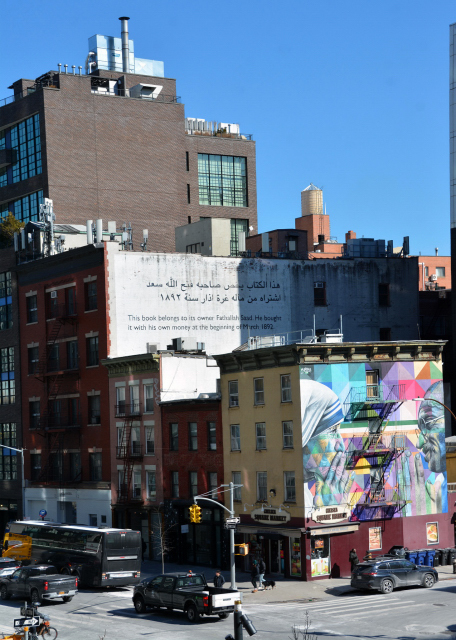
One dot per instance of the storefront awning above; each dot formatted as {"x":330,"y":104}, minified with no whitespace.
{"x":277,"y":533}
{"x":342,"y":528}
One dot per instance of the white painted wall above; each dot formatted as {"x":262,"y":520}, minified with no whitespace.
{"x":95,"y":501}
{"x":187,"y":377}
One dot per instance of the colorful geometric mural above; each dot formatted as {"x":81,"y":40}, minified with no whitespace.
{"x":367,"y":444}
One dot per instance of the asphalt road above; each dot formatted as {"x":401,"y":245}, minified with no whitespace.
{"x":405,"y":614}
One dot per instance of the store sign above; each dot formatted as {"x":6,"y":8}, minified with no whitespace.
{"x":328,"y":515}
{"x":270,"y":515}
{"x":328,"y":530}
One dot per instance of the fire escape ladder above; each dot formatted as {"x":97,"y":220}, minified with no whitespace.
{"x":125,"y":453}
{"x":53,"y":446}
{"x":50,"y":342}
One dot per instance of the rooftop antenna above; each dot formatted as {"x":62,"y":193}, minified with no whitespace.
{"x":145,"y":238}
{"x":47,"y":217}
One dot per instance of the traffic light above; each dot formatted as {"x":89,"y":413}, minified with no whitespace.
{"x":198,"y":515}
{"x":191,"y":512}
{"x":243,"y":549}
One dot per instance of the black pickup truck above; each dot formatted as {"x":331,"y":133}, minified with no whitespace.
{"x":38,"y":583}
{"x":188,"y":592}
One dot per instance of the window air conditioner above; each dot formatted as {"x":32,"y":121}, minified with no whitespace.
{"x":319,"y":285}
{"x":53,"y":294}
{"x":433,"y":277}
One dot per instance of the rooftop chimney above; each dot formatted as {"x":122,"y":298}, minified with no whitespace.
{"x":125,"y":47}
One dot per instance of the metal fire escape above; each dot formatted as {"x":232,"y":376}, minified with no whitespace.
{"x":374,"y":404}
{"x":59,"y":429}
{"x":129,"y":450}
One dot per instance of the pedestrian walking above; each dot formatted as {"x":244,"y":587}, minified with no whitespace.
{"x":262,"y":570}
{"x":255,"y":575}
{"x":354,"y":560}
{"x":218,"y":580}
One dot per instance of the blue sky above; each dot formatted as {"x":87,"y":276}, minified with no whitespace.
{"x":350,"y":95}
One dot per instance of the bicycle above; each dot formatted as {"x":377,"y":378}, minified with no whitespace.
{"x":43,"y":630}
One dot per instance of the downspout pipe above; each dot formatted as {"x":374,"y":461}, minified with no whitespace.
{"x":125,"y":46}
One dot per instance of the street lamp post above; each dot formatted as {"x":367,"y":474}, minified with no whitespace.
{"x":21,"y":451}
{"x":434,"y":400}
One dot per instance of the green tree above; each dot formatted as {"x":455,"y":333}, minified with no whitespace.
{"x":8,"y":227}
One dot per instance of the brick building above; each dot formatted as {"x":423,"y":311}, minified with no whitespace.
{"x":64,"y":328}
{"x":117,"y":145}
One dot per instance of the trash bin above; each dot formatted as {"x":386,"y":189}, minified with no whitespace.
{"x":429,"y":559}
{"x":421,"y":557}
{"x":412,"y":556}
{"x":452,"y":554}
{"x":444,"y":557}
{"x":437,"y":557}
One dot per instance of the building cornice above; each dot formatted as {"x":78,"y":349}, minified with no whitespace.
{"x":128,"y":365}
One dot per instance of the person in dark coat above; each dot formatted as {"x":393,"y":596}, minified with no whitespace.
{"x":218,"y":580}
{"x":354,"y":560}
{"x":255,"y":575}
{"x":262,"y":570}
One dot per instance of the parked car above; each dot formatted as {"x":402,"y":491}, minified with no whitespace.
{"x":386,"y":573}
{"x":188,"y":592}
{"x":38,"y":583}
{"x":8,"y":566}
{"x":398,"y":551}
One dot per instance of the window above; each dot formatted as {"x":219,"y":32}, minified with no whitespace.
{"x":151,"y":485}
{"x":193,"y":248}
{"x":35,"y":466}
{"x":285,"y":384}
{"x":150,"y":440}
{"x":8,"y":392}
{"x":236,"y":480}
{"x":25,"y":208}
{"x":193,"y":436}
{"x":237,"y":226}
{"x":260,"y":434}
{"x":213,"y":484}
{"x":120,"y":401}
{"x":55,"y":470}
{"x":32,"y":309}
{"x":54,"y":358}
{"x":385,"y":334}
{"x":6,"y":301}
{"x":222,"y":180}
{"x":8,"y":458}
{"x":134,"y":399}
{"x":193,"y":480}
{"x":91,"y":301}
{"x":75,"y":465}
{"x":72,"y":354}
{"x":71,"y":301}
{"x":52,"y":303}
{"x":188,"y":196}
{"x":92,"y":351}
{"x":34,"y":414}
{"x":235,"y":437}
{"x":187,"y":161}
{"x":55,"y":413}
{"x":175,"y":484}
{"x":148,"y":398}
{"x":233,"y":393}
{"x":440,"y":272}
{"x":211,"y":436}
{"x":94,"y":409}
{"x":372,"y":388}
{"x":95,"y":466}
{"x":287,"y":429}
{"x":33,"y":359}
{"x":258,"y":390}
{"x":135,"y":441}
{"x":25,"y":138}
{"x":136,"y":484}
{"x":93,"y":520}
{"x":262,"y":486}
{"x":289,"y":486}
{"x":174,"y":436}
{"x":320,"y":294}
{"x":383,"y":294}
{"x":8,"y":388}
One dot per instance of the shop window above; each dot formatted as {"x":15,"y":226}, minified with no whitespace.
{"x":233,"y":391}
{"x":319,"y":554}
{"x":295,"y":557}
{"x":258,"y":388}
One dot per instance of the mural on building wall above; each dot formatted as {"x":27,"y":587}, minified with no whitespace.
{"x":368,"y":445}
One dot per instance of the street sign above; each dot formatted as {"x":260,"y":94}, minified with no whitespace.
{"x":232,"y":520}
{"x":230,"y":525}
{"x":26,"y":622}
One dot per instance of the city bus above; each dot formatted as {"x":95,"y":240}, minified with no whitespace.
{"x":99,"y":557}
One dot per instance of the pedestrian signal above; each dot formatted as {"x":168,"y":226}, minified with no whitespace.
{"x":243,"y":549}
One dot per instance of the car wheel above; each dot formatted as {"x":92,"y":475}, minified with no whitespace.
{"x":65,"y":571}
{"x":192,"y":613}
{"x":223,"y":616}
{"x":68,"y":598}
{"x":4,"y":595}
{"x":429,"y":580}
{"x":35,"y":596}
{"x":387,"y":586}
{"x":140,"y":605}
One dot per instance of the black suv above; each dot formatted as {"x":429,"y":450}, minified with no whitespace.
{"x":386,"y":573}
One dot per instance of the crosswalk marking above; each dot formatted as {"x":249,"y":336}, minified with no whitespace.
{"x":367,"y":614}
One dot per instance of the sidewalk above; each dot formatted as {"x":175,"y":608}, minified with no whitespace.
{"x":286,"y":589}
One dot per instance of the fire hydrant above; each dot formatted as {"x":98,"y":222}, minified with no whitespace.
{"x":454,"y":565}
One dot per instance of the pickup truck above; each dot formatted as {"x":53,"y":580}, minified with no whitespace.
{"x":38,"y":583}
{"x":188,"y":592}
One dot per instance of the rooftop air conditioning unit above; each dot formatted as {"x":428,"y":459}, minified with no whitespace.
{"x":434,"y":277}
{"x":151,"y":347}
{"x":319,"y":285}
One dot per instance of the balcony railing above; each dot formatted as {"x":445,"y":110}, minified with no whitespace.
{"x":125,"y":93}
{"x":134,"y":450}
{"x":376,"y":393}
{"x":124,"y":410}
{"x":380,"y":496}
{"x":134,"y":495}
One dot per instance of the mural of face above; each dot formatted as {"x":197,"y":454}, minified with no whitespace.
{"x":431,"y":424}
{"x":324,"y":455}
